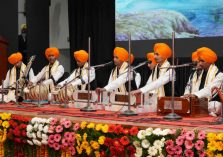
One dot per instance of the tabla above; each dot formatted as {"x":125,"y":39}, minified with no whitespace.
{"x":38,"y":92}
{"x":64,"y":94}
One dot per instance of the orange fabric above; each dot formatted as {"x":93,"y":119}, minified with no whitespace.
{"x":194,"y":56}
{"x":52,"y":51}
{"x":131,"y":59}
{"x":14,"y":58}
{"x":207,"y":55}
{"x":121,"y":53}
{"x":150,"y":56}
{"x":163,"y":50}
{"x":81,"y":56}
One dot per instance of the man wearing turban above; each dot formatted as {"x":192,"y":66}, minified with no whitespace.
{"x":210,"y":77}
{"x":15,"y":74}
{"x":79,"y":77}
{"x":52,"y":72}
{"x":160,"y":80}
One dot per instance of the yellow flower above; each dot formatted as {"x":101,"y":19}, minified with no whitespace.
{"x":6,"y":116}
{"x":97,"y":154}
{"x":219,"y":146}
{"x":220,"y":137}
{"x":79,"y":150}
{"x":212,"y":146}
{"x":85,"y":137}
{"x":0,"y":122}
{"x":91,"y":126}
{"x":98,"y":127}
{"x":219,"y":155}
{"x":94,"y":145}
{"x":78,"y":137}
{"x":211,"y":136}
{"x":85,"y":144}
{"x":209,"y":154}
{"x":104,"y":128}
{"x":5,"y":124}
{"x":88,"y":150}
{"x":101,"y":140}
{"x":83,"y":124}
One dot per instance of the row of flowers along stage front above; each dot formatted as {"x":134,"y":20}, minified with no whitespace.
{"x":39,"y":137}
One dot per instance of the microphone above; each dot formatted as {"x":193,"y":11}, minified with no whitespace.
{"x":178,"y":66}
{"x":102,"y":65}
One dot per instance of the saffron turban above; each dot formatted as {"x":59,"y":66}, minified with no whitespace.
{"x":163,"y":50}
{"x":52,"y":51}
{"x":121,"y":53}
{"x":150,"y":56}
{"x":194,"y":56}
{"x":207,"y":55}
{"x":81,"y":56}
{"x":15,"y":58}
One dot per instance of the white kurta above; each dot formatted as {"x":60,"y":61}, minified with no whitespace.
{"x":157,"y":85}
{"x":75,"y":76}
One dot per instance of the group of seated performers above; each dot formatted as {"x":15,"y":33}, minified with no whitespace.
{"x":203,"y":81}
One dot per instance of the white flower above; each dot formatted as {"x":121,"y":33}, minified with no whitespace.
{"x":48,"y":120}
{"x":40,"y":127}
{"x":29,"y":134}
{"x":30,"y":142}
{"x":148,"y":156}
{"x":145,"y":143}
{"x":152,"y":151}
{"x":149,"y":131}
{"x":43,"y":120}
{"x":45,"y":129}
{"x":163,"y":139}
{"x":136,"y":143}
{"x":141,"y":134}
{"x":44,"y":142}
{"x":158,"y":144}
{"x":165,"y":132}
{"x":138,"y":151}
{"x":29,"y":128}
{"x":33,"y":135}
{"x":33,"y":121}
{"x":157,"y":131}
{"x":36,"y":142}
{"x":39,"y":135}
{"x":44,"y":137}
{"x":36,"y":126}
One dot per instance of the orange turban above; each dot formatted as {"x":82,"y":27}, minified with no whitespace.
{"x":81,"y":56}
{"x":150,"y":56}
{"x":194,"y":56}
{"x":121,"y":53}
{"x":15,"y":58}
{"x":207,"y":55}
{"x":163,"y":50}
{"x":52,"y":51}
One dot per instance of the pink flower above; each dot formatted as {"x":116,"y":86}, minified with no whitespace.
{"x":56,"y":146}
{"x":201,"y":135}
{"x":51,"y":139}
{"x":72,"y":150}
{"x":50,"y":145}
{"x":67,"y":124}
{"x":177,"y":155}
{"x":180,"y":140}
{"x":202,"y":153}
{"x":169,"y":143}
{"x":188,"y":144}
{"x":183,"y":132}
{"x":72,"y":136}
{"x":59,"y":129}
{"x":67,"y":135}
{"x":51,"y":129}
{"x":64,"y":142}
{"x":62,"y":120}
{"x":53,"y":121}
{"x":172,"y":131}
{"x":199,"y":145}
{"x":188,"y":153}
{"x":170,"y":150}
{"x":190,"y":135}
{"x":76,"y":126}
{"x":178,"y":150}
{"x":57,"y":137}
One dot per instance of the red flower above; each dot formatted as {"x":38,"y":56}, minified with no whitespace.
{"x":103,"y":154}
{"x":131,"y":149}
{"x":17,"y":131}
{"x":22,"y":126}
{"x":113,"y":150}
{"x":108,"y":141}
{"x":118,"y":129}
{"x":125,"y":131}
{"x":120,"y":149}
{"x":116,"y":142}
{"x":111,"y":128}
{"x":124,"y":140}
{"x":18,"y":140}
{"x":134,"y":131}
{"x":23,"y":133}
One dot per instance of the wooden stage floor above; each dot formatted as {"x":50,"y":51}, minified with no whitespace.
{"x":143,"y":120}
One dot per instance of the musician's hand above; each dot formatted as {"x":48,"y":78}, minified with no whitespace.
{"x":58,"y":86}
{"x":136,"y":92}
{"x":30,"y":84}
{"x":98,"y":90}
{"x":190,"y":96}
{"x":214,"y":89}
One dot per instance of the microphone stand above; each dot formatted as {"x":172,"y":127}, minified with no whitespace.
{"x":2,"y":102}
{"x":88,"y":108}
{"x":172,"y":115}
{"x":129,"y":112}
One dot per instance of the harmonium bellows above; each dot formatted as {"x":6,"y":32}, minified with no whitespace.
{"x":182,"y":106}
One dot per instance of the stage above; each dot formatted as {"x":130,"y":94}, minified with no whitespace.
{"x":143,"y":120}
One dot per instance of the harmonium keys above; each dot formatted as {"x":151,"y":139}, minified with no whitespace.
{"x":185,"y":107}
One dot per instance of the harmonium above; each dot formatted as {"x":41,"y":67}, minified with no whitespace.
{"x":185,"y":107}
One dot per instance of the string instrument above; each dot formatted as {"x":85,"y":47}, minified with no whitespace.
{"x":219,"y":92}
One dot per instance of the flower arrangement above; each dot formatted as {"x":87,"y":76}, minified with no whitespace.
{"x":215,"y":144}
{"x":62,"y":136}
{"x":186,"y":143}
{"x":17,"y":130}
{"x":151,"y":142}
{"x":37,"y":130}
